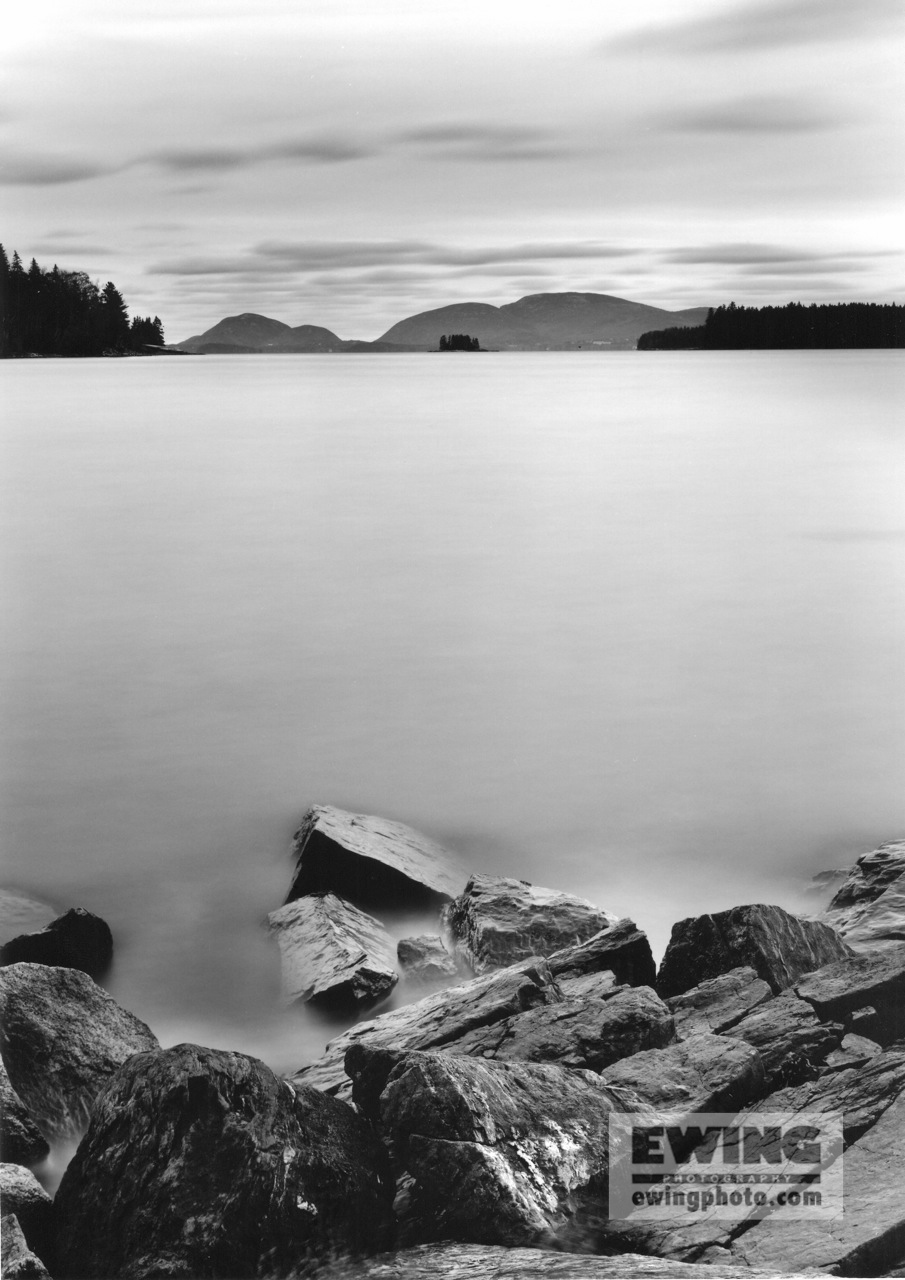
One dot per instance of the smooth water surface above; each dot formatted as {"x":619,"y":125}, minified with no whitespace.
{"x":628,"y":625}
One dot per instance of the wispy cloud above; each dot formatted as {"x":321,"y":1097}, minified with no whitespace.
{"x":765,"y":26}
{"x":319,"y":149}
{"x":761,"y":256}
{"x":462,"y":140}
{"x":755,"y":114}
{"x":47,"y":170}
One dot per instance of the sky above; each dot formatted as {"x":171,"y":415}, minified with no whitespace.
{"x":351,"y":162}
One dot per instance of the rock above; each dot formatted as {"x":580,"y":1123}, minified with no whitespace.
{"x":868,"y":909}
{"x":779,"y":947}
{"x":21,"y":1142}
{"x":878,"y":979}
{"x":426,"y":960}
{"x":25,"y":1198}
{"x":17,"y":1262}
{"x":62,"y":1038}
{"x":440,"y":1020}
{"x":371,"y":861}
{"x":790,"y":1039}
{"x":854,"y":1051}
{"x":589,"y":1033}
{"x":702,"y":1073}
{"x":75,"y":940}
{"x":488,"y":1152}
{"x":714,"y":1006}
{"x":332,"y":953}
{"x":201,"y":1162}
{"x":498,"y":921}
{"x":494,"y":1262}
{"x":871,"y":876}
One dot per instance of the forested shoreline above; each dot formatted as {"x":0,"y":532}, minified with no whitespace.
{"x":835,"y":325}
{"x":64,"y":313}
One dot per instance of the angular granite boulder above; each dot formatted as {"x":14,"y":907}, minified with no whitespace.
{"x":621,"y":949}
{"x":331,"y":953}
{"x":17,"y":1261}
{"x":62,"y":1037}
{"x":21,"y":1142}
{"x":790,"y":1039}
{"x":24,"y":1197}
{"x":76,"y":940}
{"x":853,"y":1051}
{"x":488,"y":1152}
{"x":204,"y":1163}
{"x":702,"y":1073}
{"x":714,"y":1006}
{"x":869,"y":907}
{"x":372,"y":862}
{"x":839,"y":991}
{"x":498,"y":921}
{"x":779,"y":947}
{"x":426,"y":961}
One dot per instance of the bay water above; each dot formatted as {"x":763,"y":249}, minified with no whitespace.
{"x":627,"y":625}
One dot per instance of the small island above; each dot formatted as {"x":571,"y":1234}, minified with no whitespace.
{"x":459,"y":342}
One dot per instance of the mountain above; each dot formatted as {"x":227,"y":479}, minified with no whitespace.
{"x":543,"y":320}
{"x":246,"y":330}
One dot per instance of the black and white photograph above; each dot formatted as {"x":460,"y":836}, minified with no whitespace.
{"x":452,"y":579}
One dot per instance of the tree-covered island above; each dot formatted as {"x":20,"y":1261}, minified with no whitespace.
{"x":459,"y":342}
{"x":836,"y":325}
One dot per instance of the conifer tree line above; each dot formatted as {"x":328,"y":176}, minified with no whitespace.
{"x":459,"y":342}
{"x":63,"y":313}
{"x":837,"y":325}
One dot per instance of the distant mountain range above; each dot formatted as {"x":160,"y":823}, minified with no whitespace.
{"x":539,"y":322}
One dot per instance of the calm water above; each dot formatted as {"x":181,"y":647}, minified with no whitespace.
{"x":630,"y":625}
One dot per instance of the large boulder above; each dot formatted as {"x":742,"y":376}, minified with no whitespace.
{"x":331,"y":953}
{"x":871,"y":876}
{"x":425,"y":961}
{"x":24,"y":1197}
{"x":877,"y":979}
{"x":17,"y":1261}
{"x":371,"y":861}
{"x":779,"y":947}
{"x":498,"y":921}
{"x":868,"y":909}
{"x":621,"y":949}
{"x":488,"y":1152}
{"x":76,"y":940}
{"x":21,"y":1142}
{"x":702,"y":1073}
{"x":789,"y":1037}
{"x":204,"y":1163}
{"x":719,"y":1003}
{"x":61,"y":1038}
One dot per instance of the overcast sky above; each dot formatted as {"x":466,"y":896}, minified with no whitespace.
{"x":350,"y":162}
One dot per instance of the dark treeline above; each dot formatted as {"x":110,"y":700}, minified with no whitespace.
{"x":459,"y":342}
{"x":63,"y":313}
{"x":846,"y":324}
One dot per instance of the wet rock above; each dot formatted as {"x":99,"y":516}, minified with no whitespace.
{"x":589,"y":1033}
{"x":871,"y":876}
{"x":489,"y":1152}
{"x":17,"y":1262}
{"x":714,"y":1006}
{"x":425,"y":960}
{"x":21,"y":1142}
{"x":498,"y":921}
{"x":61,"y":1038}
{"x":494,"y":1262}
{"x":24,"y":1197}
{"x":854,"y":1051}
{"x":371,"y":861}
{"x":76,"y":940}
{"x":779,"y":947}
{"x":702,"y":1073}
{"x":877,"y":979}
{"x":621,"y":949}
{"x":331,"y":953}
{"x":200,"y":1162}
{"x":790,"y":1039}
{"x":868,"y":908}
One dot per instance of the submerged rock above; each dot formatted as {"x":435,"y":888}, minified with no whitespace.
{"x":200,"y":1162}
{"x":869,"y":907}
{"x":714,"y":1006}
{"x":839,"y":991}
{"x":779,"y":947}
{"x":75,"y":940}
{"x":332,"y":953}
{"x":498,"y":921}
{"x":21,"y":1142}
{"x":62,"y":1037}
{"x":17,"y":1261}
{"x":371,"y":861}
{"x":426,"y":960}
{"x":24,"y":1197}
{"x":489,"y":1152}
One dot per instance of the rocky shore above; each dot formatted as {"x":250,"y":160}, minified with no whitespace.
{"x":469,"y":1133}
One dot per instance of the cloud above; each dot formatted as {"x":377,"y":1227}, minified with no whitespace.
{"x":327,"y":149}
{"x":203,"y":159}
{"x":767,"y":257}
{"x":772,"y":25}
{"x":754,"y":115}
{"x":461,"y":140}
{"x":46,"y":170}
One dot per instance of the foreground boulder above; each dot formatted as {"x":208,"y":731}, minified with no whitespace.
{"x":621,"y":949}
{"x":24,"y":1197}
{"x":75,"y":940}
{"x":17,"y":1261}
{"x":488,"y":1152}
{"x":204,"y":1163}
{"x":779,"y":947}
{"x":425,"y":960}
{"x":21,"y":1142}
{"x":62,"y":1037}
{"x":789,"y":1037}
{"x":332,"y":953}
{"x":876,"y":980}
{"x":719,"y":1003}
{"x":868,"y":908}
{"x":702,"y":1073}
{"x":498,"y":921}
{"x":371,"y":861}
